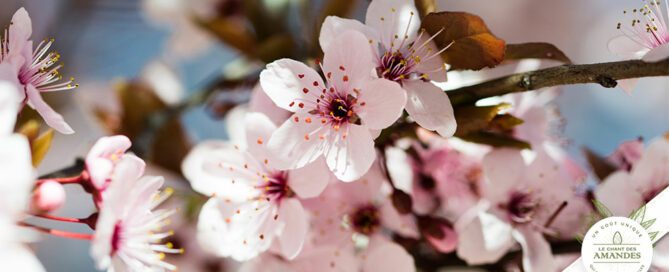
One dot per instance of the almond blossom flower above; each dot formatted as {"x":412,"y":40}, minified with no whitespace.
{"x":254,"y":205}
{"x":103,"y":157}
{"x":336,"y":119}
{"x":15,"y":185}
{"x":404,"y":55}
{"x":37,"y":69}
{"x":356,"y":214}
{"x":624,"y":191}
{"x":627,"y":154}
{"x":519,"y":199}
{"x":323,"y":258}
{"x":646,"y":37}
{"x":125,"y":237}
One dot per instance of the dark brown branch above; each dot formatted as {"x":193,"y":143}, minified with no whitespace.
{"x":605,"y":74}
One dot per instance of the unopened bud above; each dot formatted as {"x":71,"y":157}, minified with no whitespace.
{"x":402,"y":201}
{"x":439,"y":233}
{"x":48,"y":197}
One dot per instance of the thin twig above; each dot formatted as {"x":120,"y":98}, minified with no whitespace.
{"x":605,"y":74}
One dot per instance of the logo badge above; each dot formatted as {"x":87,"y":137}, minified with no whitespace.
{"x":617,"y":244}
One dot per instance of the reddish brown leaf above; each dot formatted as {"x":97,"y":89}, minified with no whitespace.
{"x":535,"y":50}
{"x":472,"y":46}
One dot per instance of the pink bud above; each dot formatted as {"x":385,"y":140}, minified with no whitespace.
{"x":49,"y":196}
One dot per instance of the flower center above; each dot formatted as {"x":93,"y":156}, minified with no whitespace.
{"x":394,"y":66}
{"x":521,"y":207}
{"x":275,"y":187}
{"x":116,"y":238}
{"x":366,"y":220}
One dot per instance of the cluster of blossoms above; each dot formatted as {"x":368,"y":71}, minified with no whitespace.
{"x":128,"y":229}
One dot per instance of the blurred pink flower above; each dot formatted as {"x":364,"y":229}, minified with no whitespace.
{"x":404,"y":55}
{"x":37,"y":70}
{"x":128,"y":232}
{"x":646,"y":37}
{"x":103,"y":158}
{"x":252,"y":202}
{"x":337,"y":120}
{"x":627,"y":154}
{"x":324,"y":258}
{"x":15,"y":185}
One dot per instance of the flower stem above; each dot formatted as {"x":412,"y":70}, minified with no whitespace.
{"x":60,"y":233}
{"x":62,"y":219}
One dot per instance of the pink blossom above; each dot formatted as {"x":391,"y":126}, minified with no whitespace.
{"x":324,"y":258}
{"x":405,"y":55}
{"x":645,"y":36}
{"x":37,"y":69}
{"x":519,"y":199}
{"x":103,"y":157}
{"x":129,"y":231}
{"x":627,"y":154}
{"x":336,"y":119}
{"x":254,"y":205}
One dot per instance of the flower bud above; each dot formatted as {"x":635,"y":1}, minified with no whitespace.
{"x":402,"y":201}
{"x":48,"y":197}
{"x":439,"y":233}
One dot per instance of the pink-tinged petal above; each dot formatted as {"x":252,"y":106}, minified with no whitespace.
{"x":618,"y":194}
{"x":657,"y":54}
{"x":334,"y":26}
{"x":288,"y":82}
{"x":51,"y":117}
{"x":296,"y":228}
{"x":259,"y":128}
{"x":19,"y":177}
{"x":627,"y":48}
{"x":446,"y":244}
{"x":393,"y":17}
{"x":652,"y":169}
{"x":235,"y":126}
{"x":388,"y":256}
{"x":627,"y":154}
{"x":537,"y":254}
{"x":628,"y":85}
{"x":20,"y":30}
{"x":430,"y":107}
{"x":224,"y":232}
{"x":364,"y":190}
{"x":661,"y":254}
{"x":310,"y":180}
{"x":504,"y":169}
{"x":9,"y":107}
{"x":17,"y":257}
{"x":217,"y":168}
{"x":260,"y":102}
{"x":380,"y":103}
{"x":401,"y":224}
{"x":296,"y":142}
{"x":326,"y":258}
{"x":432,"y":65}
{"x":350,"y":158}
{"x":485,"y":239}
{"x":101,"y":158}
{"x":348,"y":61}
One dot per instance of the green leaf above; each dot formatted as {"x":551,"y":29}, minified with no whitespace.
{"x":601,"y":209}
{"x":617,"y":238}
{"x":470,"y":44}
{"x":599,"y":165}
{"x":535,"y":50}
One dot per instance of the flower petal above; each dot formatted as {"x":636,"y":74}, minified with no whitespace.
{"x":51,"y":117}
{"x":296,"y":143}
{"x":350,"y":158}
{"x":19,"y":31}
{"x":310,"y":180}
{"x":334,"y":26}
{"x":432,"y":64}
{"x":657,"y":54}
{"x":260,"y":102}
{"x":537,"y":254}
{"x":259,"y":128}
{"x":393,"y":17}
{"x":487,"y":239}
{"x":401,"y":224}
{"x":381,"y":103}
{"x":430,"y":107}
{"x":626,"y":47}
{"x":285,"y":80}
{"x":295,"y":231}
{"x":348,"y":61}
{"x":618,"y":194}
{"x":628,"y":84}
{"x":504,"y":168}
{"x":388,"y":256}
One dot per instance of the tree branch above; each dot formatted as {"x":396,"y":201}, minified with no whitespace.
{"x":605,"y":74}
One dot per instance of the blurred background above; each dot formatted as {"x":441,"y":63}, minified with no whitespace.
{"x":106,"y":44}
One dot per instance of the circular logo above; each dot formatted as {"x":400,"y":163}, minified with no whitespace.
{"x":617,"y":244}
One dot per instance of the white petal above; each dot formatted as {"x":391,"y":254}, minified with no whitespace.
{"x":657,"y":54}
{"x":348,"y":61}
{"x":393,"y":17}
{"x":626,"y":47}
{"x":388,"y":256}
{"x":259,"y":128}
{"x":484,"y":240}
{"x":504,"y":169}
{"x":310,"y":180}
{"x":430,"y":107}
{"x":295,"y":231}
{"x":296,"y":142}
{"x":284,"y":82}
{"x":334,"y":26}
{"x":618,"y":194}
{"x":384,"y":102}
{"x":352,"y":157}
{"x":537,"y":254}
